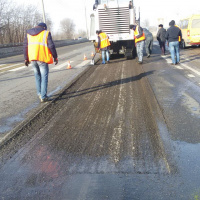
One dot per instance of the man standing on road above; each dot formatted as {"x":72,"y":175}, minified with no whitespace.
{"x":148,"y":42}
{"x":104,"y":45}
{"x":172,"y":35}
{"x":161,"y":38}
{"x":39,"y":49}
{"x":139,"y":41}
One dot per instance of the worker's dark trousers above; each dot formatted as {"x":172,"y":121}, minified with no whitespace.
{"x":149,"y":45}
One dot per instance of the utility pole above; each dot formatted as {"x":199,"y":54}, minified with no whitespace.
{"x":86,"y":21}
{"x":43,"y":12}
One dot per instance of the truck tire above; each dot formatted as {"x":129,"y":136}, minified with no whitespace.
{"x":183,"y":44}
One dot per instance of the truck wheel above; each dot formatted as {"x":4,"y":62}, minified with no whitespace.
{"x":134,"y":54}
{"x":183,"y":45}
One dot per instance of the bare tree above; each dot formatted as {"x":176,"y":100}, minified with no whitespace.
{"x":81,"y":33}
{"x":68,"y":27}
{"x":14,"y":21}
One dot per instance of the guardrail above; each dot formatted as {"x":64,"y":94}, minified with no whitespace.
{"x":17,"y":49}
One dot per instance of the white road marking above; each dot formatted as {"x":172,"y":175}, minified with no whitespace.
{"x":16,"y":69}
{"x":10,"y":66}
{"x":178,"y":67}
{"x":168,"y":60}
{"x":191,"y":75}
{"x":194,"y":70}
{"x":65,"y":64}
{"x":184,"y":65}
{"x":2,"y":65}
{"x":85,"y":62}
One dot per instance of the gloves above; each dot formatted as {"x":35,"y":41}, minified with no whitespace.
{"x":26,"y":62}
{"x":56,"y":61}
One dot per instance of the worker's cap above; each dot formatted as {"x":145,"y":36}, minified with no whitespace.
{"x":42,"y":24}
{"x":172,"y":23}
{"x":132,"y":26}
{"x":160,"y":25}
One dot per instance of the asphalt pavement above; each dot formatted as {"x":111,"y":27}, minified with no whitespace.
{"x":120,"y":131}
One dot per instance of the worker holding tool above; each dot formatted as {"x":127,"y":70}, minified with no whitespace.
{"x":104,"y":45}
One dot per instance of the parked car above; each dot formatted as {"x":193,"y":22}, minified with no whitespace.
{"x":79,"y":38}
{"x":190,"y":28}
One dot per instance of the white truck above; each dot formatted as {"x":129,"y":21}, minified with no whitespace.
{"x":114,"y":17}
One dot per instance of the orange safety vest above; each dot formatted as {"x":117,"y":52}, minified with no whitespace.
{"x":136,"y":33}
{"x":179,"y":37}
{"x":104,"y":40}
{"x":38,"y":49}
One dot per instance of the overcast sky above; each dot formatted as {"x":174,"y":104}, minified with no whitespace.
{"x":150,"y":9}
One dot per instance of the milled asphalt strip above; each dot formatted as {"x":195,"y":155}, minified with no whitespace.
{"x":16,"y":131}
{"x":161,"y":124}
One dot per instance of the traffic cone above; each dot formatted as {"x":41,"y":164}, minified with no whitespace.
{"x":85,"y":58}
{"x":69,"y":65}
{"x":92,"y":54}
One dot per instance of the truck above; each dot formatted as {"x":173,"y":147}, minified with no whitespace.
{"x":114,"y":17}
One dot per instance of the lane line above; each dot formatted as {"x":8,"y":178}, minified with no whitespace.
{"x":191,"y":75}
{"x":10,"y":66}
{"x":178,"y":67}
{"x":65,"y":64}
{"x":168,"y":60}
{"x":2,"y":65}
{"x":194,"y":70}
{"x":85,"y":62}
{"x":184,"y":65}
{"x":16,"y":69}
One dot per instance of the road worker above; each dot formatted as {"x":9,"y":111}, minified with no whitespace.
{"x":161,"y":38}
{"x":179,"y":37}
{"x":148,"y":42}
{"x":104,"y":45}
{"x":39,"y":49}
{"x":172,"y":35}
{"x":139,"y":41}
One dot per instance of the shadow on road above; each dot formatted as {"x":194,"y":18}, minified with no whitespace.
{"x":106,"y":85}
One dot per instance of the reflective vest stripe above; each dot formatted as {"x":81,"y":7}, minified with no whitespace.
{"x":39,"y":43}
{"x":38,"y":49}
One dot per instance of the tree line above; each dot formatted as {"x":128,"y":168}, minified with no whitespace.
{"x":15,"y":20}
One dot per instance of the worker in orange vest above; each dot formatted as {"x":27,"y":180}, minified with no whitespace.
{"x":39,"y":49}
{"x":139,"y":37}
{"x":104,"y":45}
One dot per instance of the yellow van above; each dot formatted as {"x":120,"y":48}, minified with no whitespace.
{"x":190,"y":28}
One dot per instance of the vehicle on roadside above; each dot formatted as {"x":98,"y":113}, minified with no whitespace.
{"x":190,"y":28}
{"x":114,"y":17}
{"x":79,"y":38}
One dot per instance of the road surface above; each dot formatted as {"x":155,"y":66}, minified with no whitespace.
{"x":121,"y":131}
